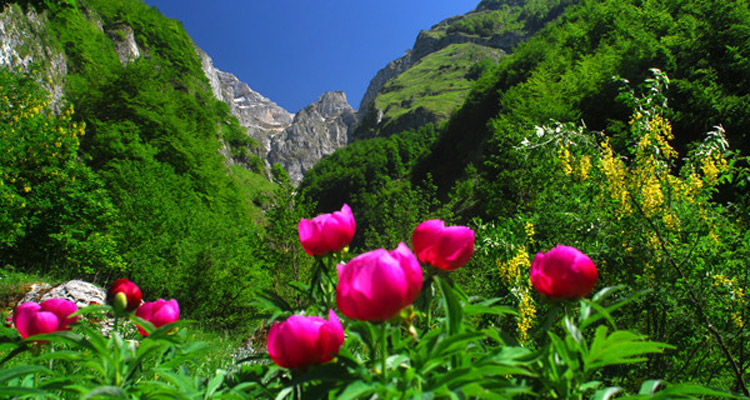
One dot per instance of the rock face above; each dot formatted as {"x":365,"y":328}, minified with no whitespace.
{"x":22,"y":42}
{"x":261,"y":117}
{"x":317,"y":131}
{"x":296,"y":141}
{"x":125,"y":45}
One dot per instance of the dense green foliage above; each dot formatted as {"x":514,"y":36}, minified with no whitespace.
{"x":55,"y":213}
{"x":149,"y":196}
{"x":553,"y":144}
{"x":488,"y":169}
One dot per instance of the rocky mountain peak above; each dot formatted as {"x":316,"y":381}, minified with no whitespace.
{"x":317,"y":131}
{"x":296,"y":141}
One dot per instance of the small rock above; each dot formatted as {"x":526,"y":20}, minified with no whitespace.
{"x":80,"y":292}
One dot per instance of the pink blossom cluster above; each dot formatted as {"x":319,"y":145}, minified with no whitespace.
{"x":54,"y":315}
{"x":373,"y":286}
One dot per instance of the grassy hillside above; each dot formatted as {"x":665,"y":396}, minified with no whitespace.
{"x":438,"y":83}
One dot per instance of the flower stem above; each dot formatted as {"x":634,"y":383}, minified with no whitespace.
{"x":384,"y":350}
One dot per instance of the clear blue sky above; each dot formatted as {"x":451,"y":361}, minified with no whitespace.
{"x":292,"y":51}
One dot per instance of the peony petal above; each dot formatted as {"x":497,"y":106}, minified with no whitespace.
{"x":23,"y":315}
{"x":167,"y":312}
{"x":62,"y":308}
{"x":42,"y":322}
{"x":297,"y":340}
{"x":338,"y":229}
{"x":564,"y":273}
{"x":311,"y":237}
{"x":412,"y":271}
{"x":272,"y":344}
{"x":424,"y":239}
{"x":456,"y":246}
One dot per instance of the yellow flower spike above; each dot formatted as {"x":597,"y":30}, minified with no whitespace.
{"x":526,"y":316}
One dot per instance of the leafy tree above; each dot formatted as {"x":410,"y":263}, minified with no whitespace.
{"x":56,"y":215}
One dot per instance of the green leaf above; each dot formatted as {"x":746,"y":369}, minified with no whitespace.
{"x":20,"y":371}
{"x":214,"y":384}
{"x":8,"y":392}
{"x":606,"y":394}
{"x":108,"y":391}
{"x":480,"y":309}
{"x":650,"y":386}
{"x":573,"y":330}
{"x":284,"y":393}
{"x":451,"y":304}
{"x":691,"y":391}
{"x":621,"y":347}
{"x":357,"y":390}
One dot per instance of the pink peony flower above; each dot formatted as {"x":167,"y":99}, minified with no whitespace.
{"x":563,"y":273}
{"x":159,"y":313}
{"x":327,"y":232}
{"x":51,"y":315}
{"x":375,"y":286}
{"x":124,"y":296}
{"x":301,"y":341}
{"x":447,"y":248}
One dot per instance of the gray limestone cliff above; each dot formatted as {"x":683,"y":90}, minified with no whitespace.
{"x":298,"y":141}
{"x":261,"y":117}
{"x":317,"y":131}
{"x":24,"y":41}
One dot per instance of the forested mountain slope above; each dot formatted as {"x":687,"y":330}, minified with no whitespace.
{"x":567,"y":72}
{"x":152,"y":198}
{"x":432,"y":79}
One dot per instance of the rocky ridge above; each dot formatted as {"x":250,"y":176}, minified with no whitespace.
{"x":317,"y":131}
{"x":296,"y":141}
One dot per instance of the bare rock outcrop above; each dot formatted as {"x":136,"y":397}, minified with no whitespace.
{"x":80,"y":292}
{"x":124,"y":40}
{"x":23,"y":43}
{"x":317,"y":131}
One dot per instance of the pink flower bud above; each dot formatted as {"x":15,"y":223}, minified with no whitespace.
{"x":375,"y":286}
{"x":563,"y":273}
{"x":132,"y":296}
{"x":301,"y":341}
{"x":447,"y":248}
{"x":52,"y":315}
{"x":327,"y":232}
{"x":159,"y":313}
